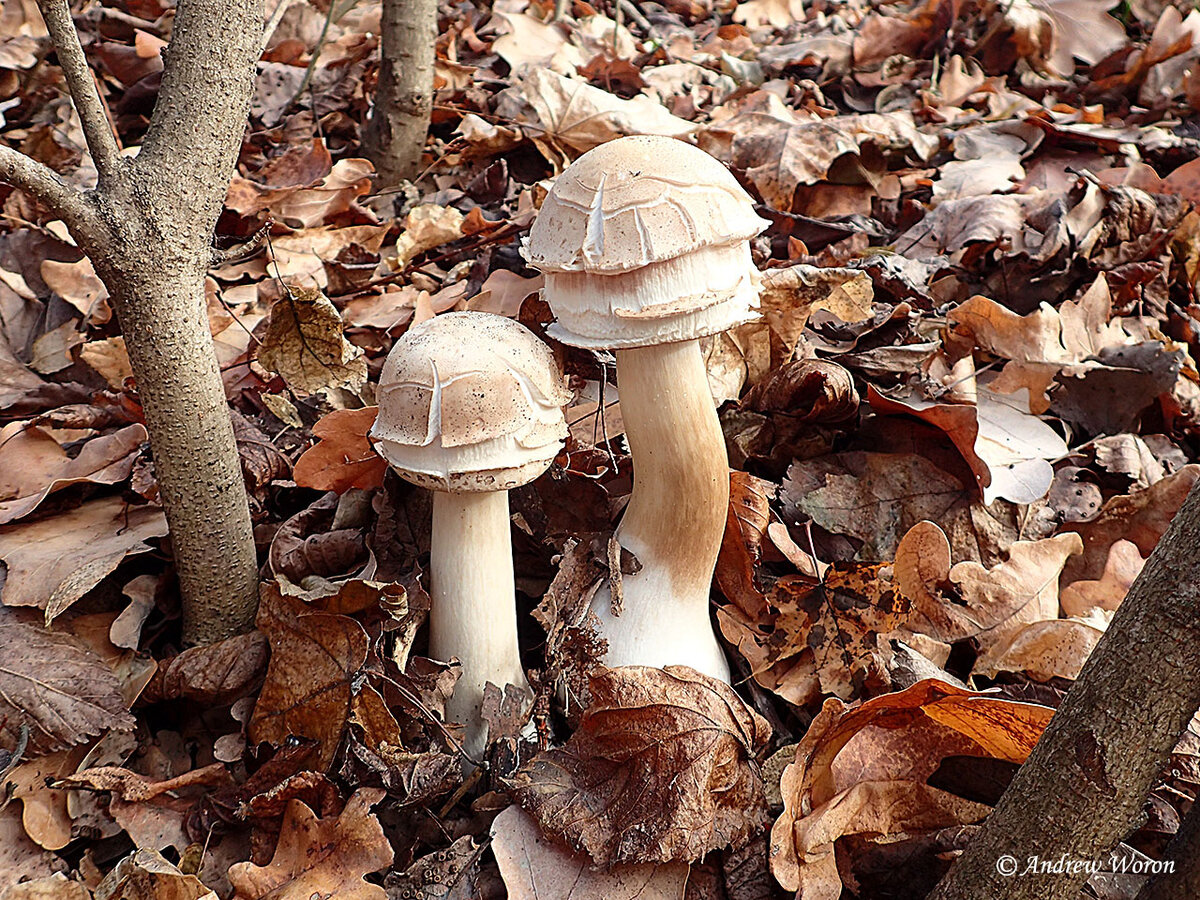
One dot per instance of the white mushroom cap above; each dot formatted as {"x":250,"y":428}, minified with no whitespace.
{"x":470,"y":401}
{"x":645,"y":240}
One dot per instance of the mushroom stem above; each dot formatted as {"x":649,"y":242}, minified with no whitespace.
{"x":472,"y":615}
{"x":676,"y":517}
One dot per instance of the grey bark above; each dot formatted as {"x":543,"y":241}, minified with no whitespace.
{"x":1083,"y":788}
{"x":148,"y":229}
{"x":1184,"y":852}
{"x":399,"y":122}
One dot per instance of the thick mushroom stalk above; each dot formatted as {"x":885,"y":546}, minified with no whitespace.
{"x":676,"y":517}
{"x":470,"y":405}
{"x":472,"y":616}
{"x":644,"y":242}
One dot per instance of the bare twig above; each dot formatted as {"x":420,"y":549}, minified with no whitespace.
{"x":41,"y":182}
{"x":96,"y":128}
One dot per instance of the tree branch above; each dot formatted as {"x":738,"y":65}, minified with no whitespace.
{"x":97,"y":130}
{"x":197,"y":126}
{"x":42,"y":183}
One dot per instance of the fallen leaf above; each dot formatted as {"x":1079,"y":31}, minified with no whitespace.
{"x":147,"y":875}
{"x":778,"y":14}
{"x":344,"y":458}
{"x":955,"y":602}
{"x":53,"y":562}
{"x":44,"y":810}
{"x":1122,"y":568}
{"x":864,"y":771}
{"x":56,"y":887}
{"x":427,"y":226}
{"x":534,"y":867}
{"x":38,"y":465}
{"x":110,"y":359}
{"x":61,"y":690}
{"x":321,"y":857}
{"x":21,"y":858}
{"x":790,"y":296}
{"x":304,"y":343}
{"x":662,"y":767}
{"x":1054,"y":648}
{"x":316,"y":660}
{"x":212,"y":675}
{"x":79,"y":285}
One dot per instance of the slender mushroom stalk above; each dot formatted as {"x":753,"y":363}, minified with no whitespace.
{"x":472,"y":615}
{"x":470,"y":405}
{"x":644,"y":242}
{"x":674,"y":521}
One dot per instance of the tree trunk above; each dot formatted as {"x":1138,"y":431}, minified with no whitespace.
{"x":1083,"y":788}
{"x":148,"y":230}
{"x":395,"y":135}
{"x":1184,"y":851}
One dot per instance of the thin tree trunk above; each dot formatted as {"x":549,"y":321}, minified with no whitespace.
{"x":148,"y":230}
{"x":395,"y":135}
{"x":1083,"y":788}
{"x":1184,"y":852}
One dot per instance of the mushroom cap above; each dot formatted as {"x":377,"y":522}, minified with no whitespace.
{"x":470,"y":401}
{"x":645,"y":240}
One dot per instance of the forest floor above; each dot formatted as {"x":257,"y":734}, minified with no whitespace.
{"x":966,"y":417}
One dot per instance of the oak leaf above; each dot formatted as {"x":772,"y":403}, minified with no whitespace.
{"x":327,"y":857}
{"x":662,"y":767}
{"x":343,"y":458}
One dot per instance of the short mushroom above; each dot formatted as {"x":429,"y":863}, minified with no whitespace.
{"x":470,"y":405}
{"x":645,"y":246}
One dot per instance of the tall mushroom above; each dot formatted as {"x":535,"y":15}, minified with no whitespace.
{"x":644,"y":242}
{"x":470,"y":405}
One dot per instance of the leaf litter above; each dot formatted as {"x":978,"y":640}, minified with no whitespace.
{"x":961,"y":426}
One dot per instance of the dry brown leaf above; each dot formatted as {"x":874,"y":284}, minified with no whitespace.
{"x":133,"y":787}
{"x":1054,"y":648}
{"x":534,"y":868}
{"x":53,"y":562}
{"x":1007,"y":448}
{"x":955,"y":602}
{"x":427,"y":226}
{"x":44,"y":810}
{"x":1141,"y":518}
{"x":580,"y":116}
{"x":79,"y":285}
{"x":35,"y":465}
{"x":212,"y":675}
{"x":662,"y":767}
{"x":503,"y":292}
{"x":316,"y":659}
{"x":304,"y":343}
{"x":790,"y":296}
{"x":863,"y":771}
{"x":780,"y":150}
{"x":1122,"y":568}
{"x":52,"y":683}
{"x":344,"y":458}
{"x":741,"y":545}
{"x":56,"y":887}
{"x":20,"y":858}
{"x":323,"y":857}
{"x":310,"y":203}
{"x":110,"y":359}
{"x":147,"y":875}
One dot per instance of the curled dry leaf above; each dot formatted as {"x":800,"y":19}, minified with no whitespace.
{"x":56,"y":887}
{"x":52,"y":683}
{"x":1007,"y":448}
{"x":790,"y":296}
{"x":316,"y":660}
{"x":323,"y":857}
{"x":533,"y":867}
{"x":1052,"y":648}
{"x":662,"y":767}
{"x":952,"y":602}
{"x":212,"y":675}
{"x":343,"y":458}
{"x":44,"y":811}
{"x":864,"y":772}
{"x":304,"y":344}
{"x":147,"y":875}
{"x":53,"y":562}
{"x":133,"y":787}
{"x":34,"y":465}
